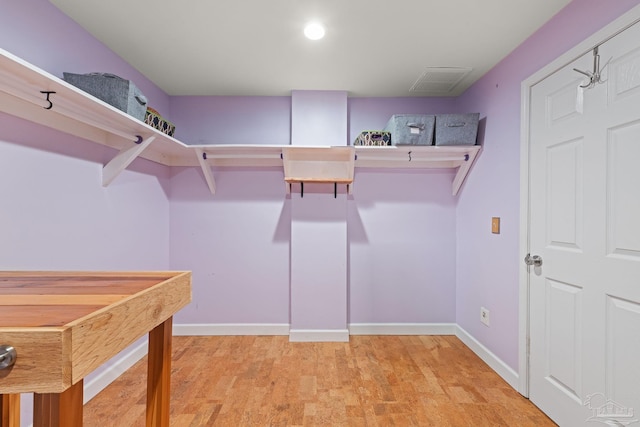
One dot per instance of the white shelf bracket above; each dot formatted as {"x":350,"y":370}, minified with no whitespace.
{"x":463,"y":170}
{"x":127,"y":154}
{"x":206,"y":170}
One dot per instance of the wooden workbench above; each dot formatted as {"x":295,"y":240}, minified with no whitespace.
{"x":63,"y":325}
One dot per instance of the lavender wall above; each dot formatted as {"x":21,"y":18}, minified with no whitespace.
{"x":401,"y":232}
{"x":402,"y":248}
{"x":401,"y":229}
{"x":54,"y":212}
{"x":318,"y":117}
{"x":236,"y":243}
{"x":57,"y":216}
{"x":318,"y":262}
{"x":488,"y":264}
{"x":232,"y":119}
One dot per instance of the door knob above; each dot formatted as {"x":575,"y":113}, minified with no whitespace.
{"x":535,"y":260}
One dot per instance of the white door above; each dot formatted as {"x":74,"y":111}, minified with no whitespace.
{"x":585,"y":225}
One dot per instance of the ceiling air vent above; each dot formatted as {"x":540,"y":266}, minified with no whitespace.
{"x":439,"y":80}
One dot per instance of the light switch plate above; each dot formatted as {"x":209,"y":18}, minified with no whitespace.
{"x":495,"y":225}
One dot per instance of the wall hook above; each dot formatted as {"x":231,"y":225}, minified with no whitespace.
{"x":409,"y":155}
{"x":595,"y":76}
{"x":48,"y":93}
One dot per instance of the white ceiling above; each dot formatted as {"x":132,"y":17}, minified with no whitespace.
{"x":257,"y":47}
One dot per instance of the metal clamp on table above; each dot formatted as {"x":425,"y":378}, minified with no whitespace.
{"x":8,"y":356}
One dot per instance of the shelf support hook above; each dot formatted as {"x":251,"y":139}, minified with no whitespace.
{"x":48,"y":93}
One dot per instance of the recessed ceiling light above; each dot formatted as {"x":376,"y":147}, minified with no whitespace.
{"x":314,"y":31}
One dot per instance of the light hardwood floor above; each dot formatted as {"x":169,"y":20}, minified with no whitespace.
{"x":370,"y":381}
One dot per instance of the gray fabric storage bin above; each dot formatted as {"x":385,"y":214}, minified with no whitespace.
{"x":411,"y":129}
{"x":457,"y":129}
{"x":114,"y":90}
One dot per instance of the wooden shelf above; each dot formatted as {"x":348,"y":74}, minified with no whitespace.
{"x":77,"y":113}
{"x":318,"y":164}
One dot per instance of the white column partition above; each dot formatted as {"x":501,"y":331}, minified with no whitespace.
{"x":318,"y":226}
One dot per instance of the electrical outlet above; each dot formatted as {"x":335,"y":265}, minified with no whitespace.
{"x":484,"y":316}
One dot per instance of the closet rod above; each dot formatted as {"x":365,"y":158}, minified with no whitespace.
{"x":242,"y":156}
{"x":414,"y":158}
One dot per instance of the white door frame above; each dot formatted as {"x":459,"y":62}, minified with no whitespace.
{"x":615,"y":27}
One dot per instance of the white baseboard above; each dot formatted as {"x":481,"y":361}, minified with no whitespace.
{"x":98,"y":383}
{"x":283,"y":329}
{"x":402,"y":328}
{"x":231,"y":329}
{"x":319,"y":335}
{"x":494,"y":362}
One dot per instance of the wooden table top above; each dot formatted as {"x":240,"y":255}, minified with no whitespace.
{"x":63,"y":325}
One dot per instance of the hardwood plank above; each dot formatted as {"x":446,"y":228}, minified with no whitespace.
{"x":97,"y":275}
{"x":159,"y":375}
{"x":97,"y":338}
{"x":41,"y":365}
{"x":62,"y":299}
{"x":9,"y":410}
{"x":79,"y":286}
{"x":27,"y":316}
{"x":79,"y":282}
{"x":59,"y":409}
{"x":369,"y":381}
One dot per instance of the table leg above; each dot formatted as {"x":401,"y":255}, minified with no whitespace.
{"x":159,"y":375}
{"x":59,"y":409}
{"x":9,"y":410}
